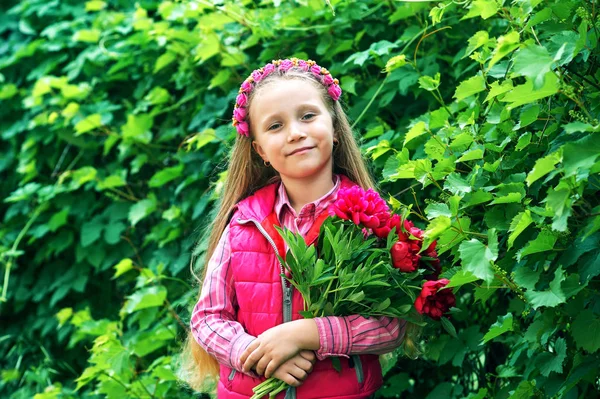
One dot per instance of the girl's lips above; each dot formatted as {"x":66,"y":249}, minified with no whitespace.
{"x":301,"y":150}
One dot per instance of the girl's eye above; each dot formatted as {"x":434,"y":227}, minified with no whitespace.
{"x":308,"y":116}
{"x":274,"y":126}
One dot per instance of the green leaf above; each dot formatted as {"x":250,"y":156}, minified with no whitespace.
{"x":461,"y":278}
{"x":518,"y":225}
{"x":164,"y":60}
{"x":166,"y":175}
{"x":87,"y":124}
{"x":525,"y":390}
{"x":506,"y":44}
{"x":543,"y":166}
{"x":456,"y":184}
{"x":585,"y":331}
{"x":580,"y":156}
{"x":524,"y":141}
{"x":447,"y":324}
{"x":95,"y":5}
{"x":428,"y":83}
{"x":58,"y":220}
{"x":525,"y":93}
{"x":434,"y":210}
{"x":533,"y":62}
{"x":123,"y":267}
{"x":477,"y":40}
{"x":503,"y":325}
{"x":544,"y":241}
{"x":497,"y":89}
{"x":482,"y":8}
{"x":552,"y":296}
{"x":477,"y":258}
{"x":548,"y":362}
{"x":111,"y":182}
{"x":417,"y":130}
{"x":141,"y":209}
{"x":90,"y":232}
{"x":112,"y":232}
{"x":507,"y":199}
{"x":529,"y":115}
{"x":469,"y":87}
{"x":87,"y":36}
{"x":145,"y":298}
{"x":138,"y":128}
{"x":435,"y":228}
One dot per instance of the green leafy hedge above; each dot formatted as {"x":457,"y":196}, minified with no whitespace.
{"x":481,"y":117}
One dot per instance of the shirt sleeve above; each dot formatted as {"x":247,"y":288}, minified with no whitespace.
{"x":213,"y":321}
{"x":354,"y":335}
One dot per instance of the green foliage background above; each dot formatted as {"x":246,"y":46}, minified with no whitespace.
{"x":481,"y":117}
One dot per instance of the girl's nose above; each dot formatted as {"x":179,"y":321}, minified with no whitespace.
{"x":296,"y":132}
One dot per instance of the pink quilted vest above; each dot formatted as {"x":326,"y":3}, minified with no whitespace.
{"x":265,"y":300}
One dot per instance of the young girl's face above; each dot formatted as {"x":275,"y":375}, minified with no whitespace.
{"x":292,"y":129}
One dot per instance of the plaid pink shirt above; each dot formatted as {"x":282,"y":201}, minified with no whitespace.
{"x":213,"y":318}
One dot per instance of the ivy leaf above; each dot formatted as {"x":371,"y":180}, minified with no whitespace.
{"x":580,"y":156}
{"x":166,"y":175}
{"x":417,"y":130}
{"x":145,"y":298}
{"x":518,"y":225}
{"x":533,"y":62}
{"x":503,"y":325}
{"x":544,"y":241}
{"x":435,"y":228}
{"x":434,"y":210}
{"x":497,"y":89}
{"x":548,"y":362}
{"x":123,"y":267}
{"x":477,"y":258}
{"x":461,"y":278}
{"x":525,"y":93}
{"x":506,"y":44}
{"x":525,"y":390}
{"x":447,"y":324}
{"x":141,"y":209}
{"x":138,"y":128}
{"x":559,"y":202}
{"x":552,"y":296}
{"x":482,"y":8}
{"x":90,"y":232}
{"x":428,"y":83}
{"x":456,"y":184}
{"x":87,"y":124}
{"x":585,"y":331}
{"x":469,"y":87}
{"x":543,"y":166}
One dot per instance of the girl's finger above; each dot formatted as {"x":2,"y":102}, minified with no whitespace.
{"x":298,"y":373}
{"x":251,"y":360}
{"x":249,"y":349}
{"x":290,"y":380}
{"x":304,"y":364}
{"x":309,"y":355}
{"x":262,"y":365}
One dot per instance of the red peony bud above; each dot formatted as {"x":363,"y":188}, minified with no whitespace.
{"x":404,"y":256}
{"x":435,"y":303}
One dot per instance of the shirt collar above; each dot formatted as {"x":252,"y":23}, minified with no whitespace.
{"x":282,"y":203}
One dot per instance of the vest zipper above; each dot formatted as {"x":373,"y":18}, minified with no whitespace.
{"x":358,"y":367}
{"x":287,"y":289}
{"x":232,"y":374}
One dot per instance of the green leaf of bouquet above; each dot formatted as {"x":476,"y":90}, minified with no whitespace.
{"x":503,"y":325}
{"x":525,"y":93}
{"x":477,"y":258}
{"x":548,"y":362}
{"x":543,"y":166}
{"x":447,"y":324}
{"x":551,"y":297}
{"x":469,"y":87}
{"x":435,"y":228}
{"x":585,"y":331}
{"x":544,"y":241}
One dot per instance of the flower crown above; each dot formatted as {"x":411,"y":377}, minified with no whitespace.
{"x":240,"y":111}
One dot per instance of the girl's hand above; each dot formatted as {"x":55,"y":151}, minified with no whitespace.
{"x":294,"y":371}
{"x":269,"y":351}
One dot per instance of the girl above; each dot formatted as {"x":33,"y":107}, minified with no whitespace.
{"x":294,"y":151}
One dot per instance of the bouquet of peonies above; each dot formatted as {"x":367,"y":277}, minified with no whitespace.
{"x":366,"y":261}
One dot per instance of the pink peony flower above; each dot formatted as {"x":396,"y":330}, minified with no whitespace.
{"x":361,"y":207}
{"x":405,"y":256}
{"x":285,"y":65}
{"x":239,"y":114}
{"x":334,"y":91}
{"x":327,"y":79}
{"x":434,"y":303}
{"x":242,"y":128}
{"x":241,"y":100}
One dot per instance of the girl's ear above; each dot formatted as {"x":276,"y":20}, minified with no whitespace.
{"x":259,"y":150}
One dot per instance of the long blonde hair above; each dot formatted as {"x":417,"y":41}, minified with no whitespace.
{"x":247,"y":173}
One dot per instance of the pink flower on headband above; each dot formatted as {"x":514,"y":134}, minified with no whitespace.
{"x":241,"y":100}
{"x":242,"y":128}
{"x":246,"y":86}
{"x":316,"y":70}
{"x":239,"y":114}
{"x":268,"y":69}
{"x":285,"y":65}
{"x":257,"y":76}
{"x":303,"y":65}
{"x":334,"y":91}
